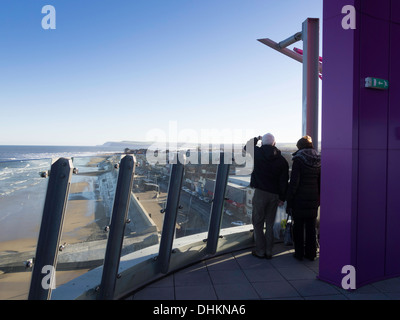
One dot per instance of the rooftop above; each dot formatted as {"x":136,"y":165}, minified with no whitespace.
{"x":241,"y":276}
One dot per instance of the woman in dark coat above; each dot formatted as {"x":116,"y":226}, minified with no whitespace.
{"x":303,"y":197}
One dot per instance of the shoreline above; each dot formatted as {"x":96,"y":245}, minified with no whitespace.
{"x":83,"y":221}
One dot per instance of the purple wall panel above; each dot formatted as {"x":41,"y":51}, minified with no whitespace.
{"x":336,"y":221}
{"x":373,"y":115}
{"x":393,"y":215}
{"x":339,"y":145}
{"x":395,"y":11}
{"x":371,"y":218}
{"x":334,"y":8}
{"x":374,"y":59}
{"x":337,"y":78}
{"x":379,"y":9}
{"x":393,"y":180}
{"x":394,"y":88}
{"x":360,"y":207}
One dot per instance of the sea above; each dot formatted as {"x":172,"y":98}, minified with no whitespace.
{"x":23,"y":189}
{"x":9,"y":153}
{"x":20,"y":166}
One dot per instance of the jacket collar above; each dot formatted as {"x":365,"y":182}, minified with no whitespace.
{"x":309,"y":157}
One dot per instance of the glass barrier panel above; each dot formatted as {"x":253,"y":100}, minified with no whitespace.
{"x":148,"y":199}
{"x":196,"y":198}
{"x":23,"y":186}
{"x":88,"y":213}
{"x":238,"y":194}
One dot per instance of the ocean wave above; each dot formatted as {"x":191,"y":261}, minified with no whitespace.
{"x":16,"y":176}
{"x":18,"y":182}
{"x":21,"y":188}
{"x":55,"y":155}
{"x":5,"y":171}
{"x":6,"y":193}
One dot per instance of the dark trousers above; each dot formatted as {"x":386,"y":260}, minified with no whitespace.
{"x":304,"y":237}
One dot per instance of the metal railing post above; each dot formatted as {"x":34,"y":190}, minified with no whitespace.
{"x":171,"y":210}
{"x":117,"y":227}
{"x":50,"y":230}
{"x":217,"y":205}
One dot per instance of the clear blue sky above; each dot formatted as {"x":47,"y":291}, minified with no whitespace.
{"x":115,"y":70}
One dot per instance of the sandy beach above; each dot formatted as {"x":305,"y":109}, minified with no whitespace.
{"x":84,"y":218}
{"x":88,"y":211}
{"x":79,"y":214}
{"x":15,"y":286}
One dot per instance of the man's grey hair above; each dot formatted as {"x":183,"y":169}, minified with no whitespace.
{"x":268,"y":139}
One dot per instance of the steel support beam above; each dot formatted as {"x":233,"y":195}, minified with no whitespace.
{"x":293,"y":39}
{"x":289,"y":53}
{"x":171,"y":210}
{"x":217,"y":205}
{"x":117,"y":228}
{"x":43,"y":274}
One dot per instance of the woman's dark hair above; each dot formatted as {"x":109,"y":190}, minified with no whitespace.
{"x":304,"y":143}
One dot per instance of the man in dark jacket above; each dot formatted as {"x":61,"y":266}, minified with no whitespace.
{"x":270,"y":180}
{"x":303,"y":197}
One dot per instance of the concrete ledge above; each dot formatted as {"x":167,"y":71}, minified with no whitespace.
{"x":140,"y":218}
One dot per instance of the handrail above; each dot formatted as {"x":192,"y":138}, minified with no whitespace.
{"x":217,"y":205}
{"x":117,"y":227}
{"x":169,"y":222}
{"x":50,"y":230}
